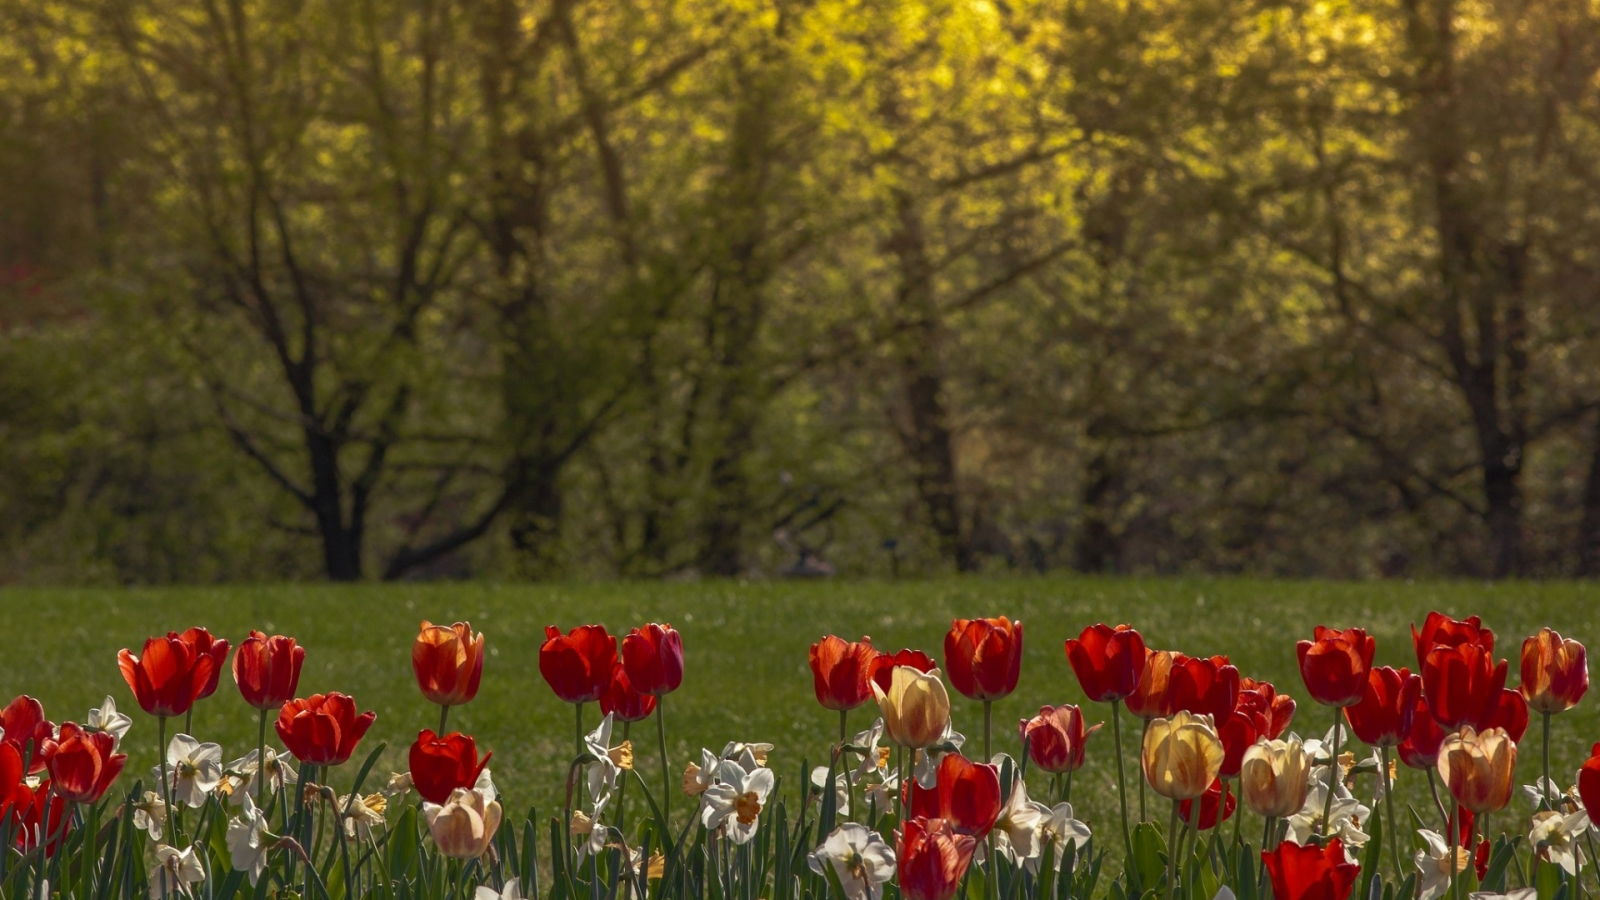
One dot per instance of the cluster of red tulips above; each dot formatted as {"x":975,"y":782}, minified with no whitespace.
{"x":1212,"y":737}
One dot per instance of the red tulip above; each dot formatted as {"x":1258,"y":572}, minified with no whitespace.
{"x":1238,"y":732}
{"x":11,"y":775}
{"x":24,"y":722}
{"x":1419,"y":749}
{"x":1108,"y":661}
{"x":1055,"y":738}
{"x":1205,"y":687}
{"x":1334,"y":665}
{"x":1149,"y":700}
{"x":1310,"y":872}
{"x":1209,"y":801}
{"x":39,"y":815}
{"x":967,"y":795}
{"x":883,"y":665}
{"x":440,"y":765}
{"x":984,"y":657}
{"x":267,"y":670}
{"x":169,"y":676}
{"x":621,"y":700}
{"x":1480,"y":858}
{"x":1383,"y":716}
{"x":1263,"y":698}
{"x":1511,"y":713}
{"x":1555,"y":672}
{"x":322,"y":730}
{"x":1462,"y":684}
{"x":1589,"y":781}
{"x":448,"y":662}
{"x":653,"y":656}
{"x":931,"y":859}
{"x":201,"y":643}
{"x":1439,"y":629}
{"x":82,"y":764}
{"x":577,"y":665}
{"x":841,"y":672}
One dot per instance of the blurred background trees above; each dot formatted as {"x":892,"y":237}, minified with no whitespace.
{"x":664,"y":288}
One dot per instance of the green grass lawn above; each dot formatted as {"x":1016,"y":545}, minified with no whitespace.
{"x":745,"y":647}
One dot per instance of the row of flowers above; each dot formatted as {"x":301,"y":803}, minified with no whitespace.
{"x":903,"y":805}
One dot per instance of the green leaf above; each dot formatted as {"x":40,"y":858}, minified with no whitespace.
{"x":1149,"y":856}
{"x":1372,"y":860}
{"x":1547,"y":881}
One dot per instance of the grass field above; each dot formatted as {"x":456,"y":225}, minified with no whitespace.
{"x":745,"y":647}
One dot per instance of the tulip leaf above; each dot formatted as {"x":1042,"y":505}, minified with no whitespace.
{"x":1372,"y":860}
{"x":1494,"y":878}
{"x":1246,"y":887}
{"x":1149,"y":852}
{"x":1408,"y":887}
{"x":404,"y":844}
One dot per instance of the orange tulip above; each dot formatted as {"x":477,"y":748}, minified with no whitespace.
{"x":1149,"y":700}
{"x":448,"y":661}
{"x":1478,"y":767}
{"x":1555,"y":672}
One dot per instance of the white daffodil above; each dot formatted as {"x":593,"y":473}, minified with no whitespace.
{"x":860,"y":857}
{"x":195,"y":770}
{"x":874,"y":759}
{"x":1344,"y":821}
{"x":1060,"y":828}
{"x":736,"y":800}
{"x":1518,"y":894}
{"x":361,"y":814}
{"x":1434,"y":865}
{"x":594,"y":831}
{"x":882,"y":794}
{"x":1017,"y":829}
{"x":107,"y":719}
{"x":841,"y":787}
{"x":242,"y":773}
{"x":739,"y":750}
{"x":608,"y":761}
{"x":175,"y":871}
{"x":249,"y":841}
{"x":1558,"y":835}
{"x":485,"y":786}
{"x":1545,"y":790}
{"x":512,"y":891}
{"x":399,"y":783}
{"x":925,"y":767}
{"x":699,"y":776}
{"x":150,"y":814}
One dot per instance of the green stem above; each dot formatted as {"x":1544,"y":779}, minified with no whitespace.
{"x":1143,"y":730}
{"x":1224,"y":808}
{"x":1388,"y":802}
{"x":444,"y":716}
{"x":1454,"y":837}
{"x":166,"y":792}
{"x":994,"y":860}
{"x":622,"y":790}
{"x":1544,"y":802}
{"x":1067,"y":791}
{"x":1172,"y":849}
{"x":1333,"y":773}
{"x":666,"y":774}
{"x":1433,"y":787}
{"x":261,"y":762}
{"x":1122,"y":781}
{"x":577,"y":708}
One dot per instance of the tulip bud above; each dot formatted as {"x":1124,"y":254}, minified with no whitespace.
{"x":1108,"y":661}
{"x":465,"y":825}
{"x":932,"y":859}
{"x":267,"y":670}
{"x":1382,"y":717}
{"x":1334,"y":665}
{"x":1589,"y":781}
{"x":916,"y":708}
{"x":201,"y":643}
{"x":82,"y":764}
{"x":984,"y":657}
{"x":1275,"y":777}
{"x":653,"y":658}
{"x":1303,"y":872}
{"x":323,"y":729}
{"x":1478,"y":767}
{"x":1555,"y":672}
{"x":841,"y":671}
{"x":1149,"y":699}
{"x":1419,"y":748}
{"x":1441,"y":630}
{"x":448,"y":661}
{"x":1055,"y":738}
{"x":623,"y":701}
{"x":967,"y":796}
{"x":169,"y":676}
{"x":1463,"y":685}
{"x":1181,"y":755}
{"x":440,"y":765}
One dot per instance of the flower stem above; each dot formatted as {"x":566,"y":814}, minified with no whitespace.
{"x":578,"y":719}
{"x":1388,"y":802}
{"x":1143,"y":730}
{"x":622,"y":789}
{"x":1333,"y":774}
{"x":166,"y":792}
{"x":1433,"y":786}
{"x":1453,"y":838}
{"x":444,"y":716}
{"x":1172,"y":849}
{"x":1544,"y":789}
{"x":261,"y":762}
{"x":1122,"y":782}
{"x":666,"y":774}
{"x":994,"y":860}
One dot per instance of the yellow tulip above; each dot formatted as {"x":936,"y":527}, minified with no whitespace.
{"x":1275,"y":777}
{"x":916,"y":708}
{"x":1182,"y":755}
{"x":1478,"y":767}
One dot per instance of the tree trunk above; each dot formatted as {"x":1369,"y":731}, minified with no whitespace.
{"x":1098,"y":547}
{"x":1589,"y":527}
